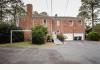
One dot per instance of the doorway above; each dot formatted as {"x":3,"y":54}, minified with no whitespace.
{"x":77,"y":38}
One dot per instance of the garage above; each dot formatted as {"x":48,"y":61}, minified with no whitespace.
{"x":79,"y":36}
{"x":68,"y":36}
{"x":75,"y":36}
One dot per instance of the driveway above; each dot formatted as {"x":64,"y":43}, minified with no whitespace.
{"x":72,"y":52}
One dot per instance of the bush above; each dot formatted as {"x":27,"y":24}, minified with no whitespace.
{"x":61,"y":37}
{"x":39,"y":34}
{"x":5,"y":33}
{"x":49,"y":38}
{"x":97,"y":28}
{"x":93,"y":36}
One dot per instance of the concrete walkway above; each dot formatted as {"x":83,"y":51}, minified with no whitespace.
{"x":74,"y":52}
{"x":56,"y":41}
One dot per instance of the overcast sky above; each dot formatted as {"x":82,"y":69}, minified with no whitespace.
{"x":61,"y":7}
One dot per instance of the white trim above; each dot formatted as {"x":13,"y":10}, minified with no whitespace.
{"x":17,"y":31}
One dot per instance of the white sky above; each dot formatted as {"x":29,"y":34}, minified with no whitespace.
{"x":61,"y":7}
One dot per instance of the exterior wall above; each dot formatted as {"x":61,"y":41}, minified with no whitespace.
{"x":67,"y":26}
{"x":68,"y":36}
{"x":29,"y":10}
{"x":79,"y":27}
{"x":26,"y":22}
{"x":40,"y":21}
{"x":49,"y":25}
{"x":64,"y":25}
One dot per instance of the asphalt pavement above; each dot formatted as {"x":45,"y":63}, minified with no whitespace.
{"x":71,"y":52}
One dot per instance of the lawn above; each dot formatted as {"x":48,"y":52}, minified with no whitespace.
{"x":26,"y":44}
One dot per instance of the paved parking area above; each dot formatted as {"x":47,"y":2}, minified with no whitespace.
{"x":72,"y":52}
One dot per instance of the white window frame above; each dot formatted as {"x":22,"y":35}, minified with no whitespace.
{"x":11,"y":33}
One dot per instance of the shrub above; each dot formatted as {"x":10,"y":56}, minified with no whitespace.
{"x":61,"y":37}
{"x":5,"y":33}
{"x":97,"y":28}
{"x":39,"y":33}
{"x":93,"y":36}
{"x":49,"y":38}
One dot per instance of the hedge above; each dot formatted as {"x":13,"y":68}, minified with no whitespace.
{"x":5,"y":33}
{"x":93,"y":36}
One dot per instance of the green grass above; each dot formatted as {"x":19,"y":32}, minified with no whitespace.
{"x":26,"y":44}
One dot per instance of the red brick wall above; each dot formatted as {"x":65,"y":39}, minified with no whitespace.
{"x":70,"y":26}
{"x":40,"y":21}
{"x":54,"y":25}
{"x":50,"y":26}
{"x":79,"y":27}
{"x":26,"y":22}
{"x":66,"y":25}
{"x":29,"y":10}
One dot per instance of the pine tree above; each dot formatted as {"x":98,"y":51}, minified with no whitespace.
{"x":89,"y":6}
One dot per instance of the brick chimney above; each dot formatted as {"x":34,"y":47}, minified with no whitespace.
{"x":29,"y":10}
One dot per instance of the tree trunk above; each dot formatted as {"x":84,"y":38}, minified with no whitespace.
{"x":14,"y":15}
{"x":92,"y":15}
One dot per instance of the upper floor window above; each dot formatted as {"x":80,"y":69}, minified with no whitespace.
{"x":70,"y":20}
{"x":80,"y":22}
{"x":45,"y":22}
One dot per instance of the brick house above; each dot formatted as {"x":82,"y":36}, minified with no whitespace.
{"x":71,"y":27}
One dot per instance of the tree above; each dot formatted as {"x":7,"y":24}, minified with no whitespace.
{"x":90,"y":6}
{"x":44,"y":13}
{"x":35,"y":13}
{"x":11,"y":9}
{"x":97,"y":28}
{"x":16,"y":9}
{"x":84,"y":15}
{"x":3,"y":9}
